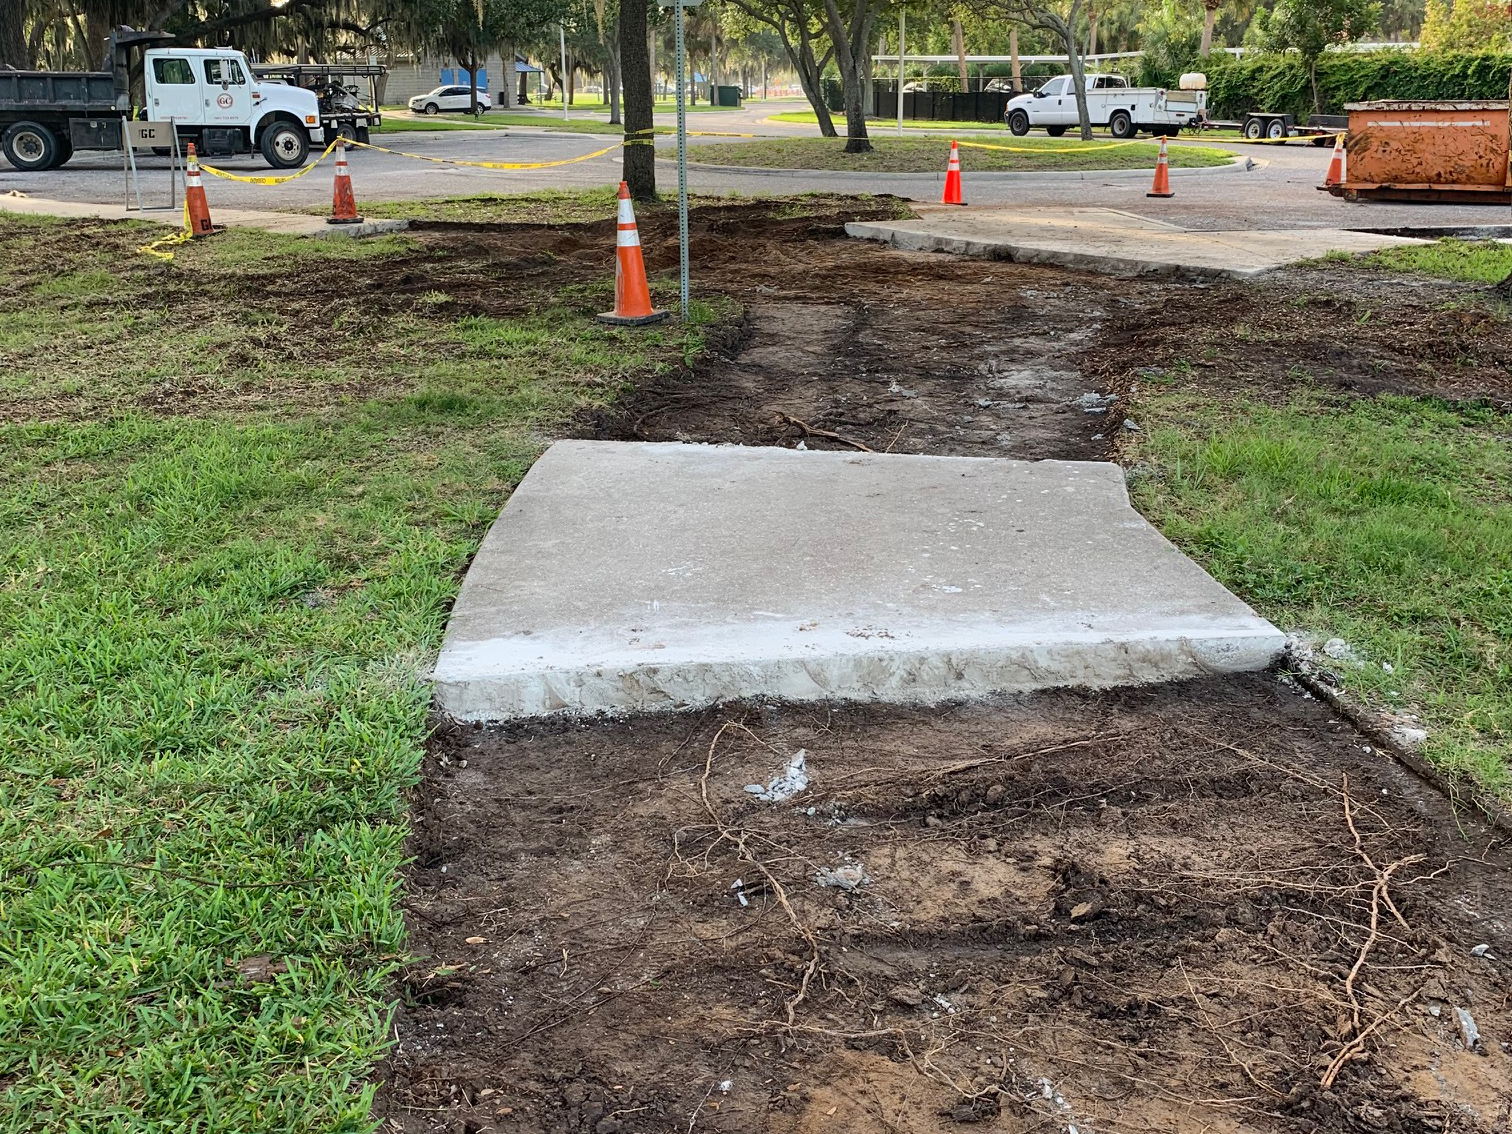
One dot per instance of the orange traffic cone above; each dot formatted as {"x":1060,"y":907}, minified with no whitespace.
{"x":343,"y":203}
{"x":1162,"y":186}
{"x":953,"y":177}
{"x":632,"y":299}
{"x":1335,"y":174}
{"x":196,"y":208}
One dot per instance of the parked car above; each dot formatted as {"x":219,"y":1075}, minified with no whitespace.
{"x":449,"y":98}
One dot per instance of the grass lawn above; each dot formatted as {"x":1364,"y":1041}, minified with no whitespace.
{"x":809,"y":118}
{"x":1384,"y":521}
{"x":238,"y":491}
{"x":498,"y":120}
{"x":928,"y":155}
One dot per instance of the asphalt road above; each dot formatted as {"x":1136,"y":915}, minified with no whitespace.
{"x":1280,"y":192}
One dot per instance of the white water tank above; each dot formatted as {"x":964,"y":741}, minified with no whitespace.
{"x":1194,"y":81}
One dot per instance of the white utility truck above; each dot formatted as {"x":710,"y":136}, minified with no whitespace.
{"x":1112,"y":103}
{"x":210,"y":95}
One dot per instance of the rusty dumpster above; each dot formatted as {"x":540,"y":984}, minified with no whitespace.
{"x":1427,"y":151}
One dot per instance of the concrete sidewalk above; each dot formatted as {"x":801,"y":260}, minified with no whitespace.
{"x":288,"y":224}
{"x":632,"y":577}
{"x":1112,"y":241}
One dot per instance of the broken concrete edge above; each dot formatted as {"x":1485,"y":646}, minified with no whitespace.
{"x":1240,"y":164}
{"x":1377,"y":728}
{"x":895,"y":236}
{"x":471,"y":687}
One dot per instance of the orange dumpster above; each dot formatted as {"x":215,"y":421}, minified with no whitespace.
{"x":1427,"y":151}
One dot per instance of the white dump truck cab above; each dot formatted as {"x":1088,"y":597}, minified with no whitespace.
{"x":215,"y":101}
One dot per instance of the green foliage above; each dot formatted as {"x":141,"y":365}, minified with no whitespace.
{"x":1467,"y":25}
{"x":1280,"y":82}
{"x":1310,"y":26}
{"x":1170,"y":35}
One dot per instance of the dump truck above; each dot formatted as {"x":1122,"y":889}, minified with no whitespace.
{"x":210,"y":95}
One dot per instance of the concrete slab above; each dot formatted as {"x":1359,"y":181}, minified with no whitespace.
{"x":289,"y":224}
{"x":1114,"y":242}
{"x":633,"y":577}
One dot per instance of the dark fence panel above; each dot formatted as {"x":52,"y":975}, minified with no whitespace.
{"x":942,"y":106}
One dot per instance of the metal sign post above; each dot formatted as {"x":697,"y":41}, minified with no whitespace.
{"x":678,"y":7}
{"x":138,"y":135}
{"x":682,"y":161}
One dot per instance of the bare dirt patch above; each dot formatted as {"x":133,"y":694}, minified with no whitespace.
{"x":1139,"y":910}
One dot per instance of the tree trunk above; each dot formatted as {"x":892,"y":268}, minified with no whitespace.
{"x":849,"y":43}
{"x":613,"y":82}
{"x":1209,"y":20}
{"x":506,"y":87}
{"x":958,"y":45}
{"x":1078,"y":78}
{"x":639,"y":162}
{"x":1018,"y":71}
{"x":810,"y":71}
{"x":471,"y":63}
{"x":569,"y":81}
{"x":13,"y":51}
{"x":1092,"y":33}
{"x":1312,"y":76}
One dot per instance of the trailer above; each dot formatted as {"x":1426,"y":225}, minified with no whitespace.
{"x":1273,"y":126}
{"x":209,"y":94}
{"x":343,"y":113}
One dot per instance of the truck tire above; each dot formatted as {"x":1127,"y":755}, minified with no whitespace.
{"x":1055,"y":131}
{"x":65,"y":151}
{"x":1018,"y":123}
{"x":1276,"y":128}
{"x":1121,"y":124}
{"x":1254,"y":128}
{"x":284,"y":145}
{"x":30,"y":147}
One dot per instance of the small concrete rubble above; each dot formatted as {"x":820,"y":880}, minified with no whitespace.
{"x":628,"y":577}
{"x":1112,"y":241}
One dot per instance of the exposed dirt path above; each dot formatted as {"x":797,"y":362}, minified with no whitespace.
{"x":1205,"y":906}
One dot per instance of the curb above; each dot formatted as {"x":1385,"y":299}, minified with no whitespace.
{"x":1241,"y":164}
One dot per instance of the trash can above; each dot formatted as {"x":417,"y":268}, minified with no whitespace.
{"x":729,"y":96}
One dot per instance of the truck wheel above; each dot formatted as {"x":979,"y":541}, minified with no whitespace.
{"x":1018,"y":123}
{"x":1276,"y":129}
{"x":30,"y":147}
{"x":65,"y":151}
{"x":1254,"y":128}
{"x":1055,"y":131}
{"x":1121,"y":125}
{"x":285,"y":146}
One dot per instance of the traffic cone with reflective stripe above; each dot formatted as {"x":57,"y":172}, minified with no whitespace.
{"x":1335,"y":174}
{"x":953,"y":177}
{"x":1162,"y":186}
{"x":343,"y":202}
{"x":632,"y":298}
{"x":196,"y":208}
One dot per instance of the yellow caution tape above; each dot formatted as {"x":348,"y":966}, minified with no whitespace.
{"x":155,"y":249}
{"x":210,"y":169}
{"x":489,"y":164}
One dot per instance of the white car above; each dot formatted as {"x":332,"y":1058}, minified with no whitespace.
{"x":449,"y":98}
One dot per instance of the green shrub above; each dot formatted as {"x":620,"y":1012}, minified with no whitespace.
{"x":1279,"y":82}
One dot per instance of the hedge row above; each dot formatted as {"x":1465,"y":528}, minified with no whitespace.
{"x":1279,"y":82}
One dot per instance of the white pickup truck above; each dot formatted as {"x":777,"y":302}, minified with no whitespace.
{"x":1111,"y":102}
{"x":210,"y":95}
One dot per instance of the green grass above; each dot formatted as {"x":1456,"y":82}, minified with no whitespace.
{"x":1463,"y":260}
{"x":497,"y":120}
{"x":928,"y":155}
{"x":809,"y":118}
{"x":230,"y":530}
{"x":1386,"y":522}
{"x":586,"y":205}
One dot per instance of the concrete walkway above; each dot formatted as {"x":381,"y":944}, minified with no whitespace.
{"x":634,"y":577}
{"x":288,"y":224}
{"x":1112,"y":241}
